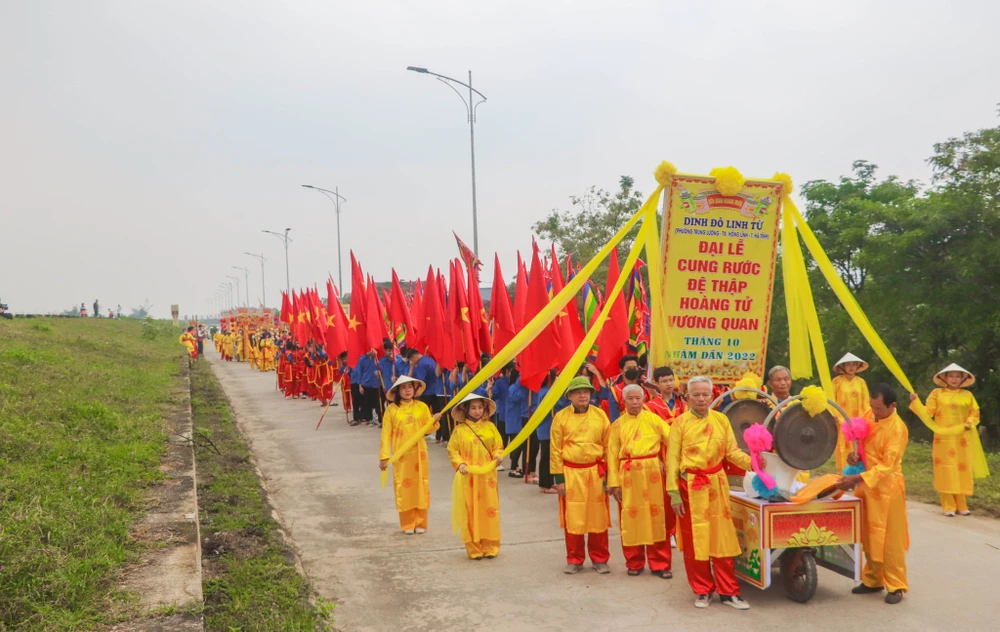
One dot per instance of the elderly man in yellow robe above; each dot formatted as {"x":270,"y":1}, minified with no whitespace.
{"x":475,"y":442}
{"x":636,"y":446}
{"x":952,"y":406}
{"x":404,"y":417}
{"x":578,"y":447}
{"x":851,"y":393}
{"x":700,"y":440}
{"x":882,"y":488}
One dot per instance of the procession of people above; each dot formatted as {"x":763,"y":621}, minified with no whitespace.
{"x":660,"y":447}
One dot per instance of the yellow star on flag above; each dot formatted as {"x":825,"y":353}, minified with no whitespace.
{"x":465,"y":314}
{"x":353,"y":324}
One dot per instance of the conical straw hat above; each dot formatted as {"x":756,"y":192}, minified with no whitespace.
{"x":405,"y":379}
{"x":939,"y":378}
{"x":850,"y":357}
{"x":458,"y":412}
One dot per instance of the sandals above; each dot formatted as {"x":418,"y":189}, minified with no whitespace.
{"x":664,"y":574}
{"x":547,"y":490}
{"x":634,"y":572}
{"x":515,"y":474}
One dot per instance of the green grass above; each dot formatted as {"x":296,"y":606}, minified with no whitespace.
{"x":250,"y":581}
{"x":918,"y":468}
{"x":81,"y":436}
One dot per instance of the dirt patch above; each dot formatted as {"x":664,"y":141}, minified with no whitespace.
{"x":168,"y":575}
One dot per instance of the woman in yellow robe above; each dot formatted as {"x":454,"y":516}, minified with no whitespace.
{"x":636,"y":444}
{"x":951,"y":406}
{"x":405,"y":416}
{"x":474,"y":442}
{"x":851,"y":393}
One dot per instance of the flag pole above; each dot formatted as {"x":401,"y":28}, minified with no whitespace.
{"x":334,"y":394}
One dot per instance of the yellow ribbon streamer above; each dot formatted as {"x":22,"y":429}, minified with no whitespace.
{"x":980,"y":469}
{"x":535,"y":326}
{"x":660,"y":338}
{"x":792,"y":270}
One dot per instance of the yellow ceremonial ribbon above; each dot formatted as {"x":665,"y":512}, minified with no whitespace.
{"x":535,"y":326}
{"x":792,"y":270}
{"x":661,"y":341}
{"x":459,"y":510}
{"x":980,"y":469}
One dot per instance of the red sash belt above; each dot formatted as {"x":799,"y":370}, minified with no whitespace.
{"x":629,"y":459}
{"x":602,"y":467}
{"x":701,"y":475}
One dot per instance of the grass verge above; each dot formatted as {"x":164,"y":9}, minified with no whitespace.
{"x":81,"y":437}
{"x":249,"y":577}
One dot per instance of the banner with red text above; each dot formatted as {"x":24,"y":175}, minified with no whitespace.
{"x":718,"y":276}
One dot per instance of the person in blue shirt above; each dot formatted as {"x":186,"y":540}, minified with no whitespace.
{"x":430,"y":373}
{"x":546,"y":482}
{"x":365,"y":376}
{"x":499,"y":395}
{"x":387,"y":367}
{"x":517,"y":414}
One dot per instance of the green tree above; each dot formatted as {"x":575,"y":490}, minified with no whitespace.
{"x":592,"y":221}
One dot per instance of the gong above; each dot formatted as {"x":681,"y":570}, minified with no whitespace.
{"x":802,"y":441}
{"x":744,"y":413}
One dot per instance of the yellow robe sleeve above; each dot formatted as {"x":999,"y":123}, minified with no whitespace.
{"x":973,"y":416}
{"x":614,"y":447}
{"x":388,"y":429}
{"x":674,"y":459}
{"x":895,"y":446}
{"x":932,"y":403}
{"x":453,"y":447}
{"x":556,"y":448}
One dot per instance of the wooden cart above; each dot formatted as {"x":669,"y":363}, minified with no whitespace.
{"x":798,"y":538}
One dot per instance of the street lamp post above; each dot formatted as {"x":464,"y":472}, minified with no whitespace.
{"x":246,"y":276}
{"x":286,"y":239}
{"x":263,"y":291}
{"x":470,"y":108}
{"x":237,"y":279}
{"x":336,"y":199}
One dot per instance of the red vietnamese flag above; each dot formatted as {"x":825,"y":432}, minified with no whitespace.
{"x":568,"y":342}
{"x":477,"y":313}
{"x":286,"y":307}
{"x":319,"y":322}
{"x":520,"y":294}
{"x":399,"y":313}
{"x":501,"y":312}
{"x":544,"y":351}
{"x":465,"y":345}
{"x":438,"y":345}
{"x":336,"y":324}
{"x":614,"y":335}
{"x":417,"y":317}
{"x":575,"y":323}
{"x":356,"y":330}
{"x":374,"y":323}
{"x":302,"y":326}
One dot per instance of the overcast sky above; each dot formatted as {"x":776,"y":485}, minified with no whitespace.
{"x":144,"y":145}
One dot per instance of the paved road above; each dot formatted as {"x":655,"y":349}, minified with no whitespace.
{"x":325,"y":486}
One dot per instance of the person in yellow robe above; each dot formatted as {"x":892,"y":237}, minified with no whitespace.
{"x":578,"y":447}
{"x":851,"y":393}
{"x":882,"y":488}
{"x":951,"y":406}
{"x":636,"y":446}
{"x":700,"y":440}
{"x":217,"y":341}
{"x":475,"y":441}
{"x":405,"y":416}
{"x":187,"y":339}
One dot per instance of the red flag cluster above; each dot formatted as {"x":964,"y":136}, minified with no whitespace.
{"x":444,"y":317}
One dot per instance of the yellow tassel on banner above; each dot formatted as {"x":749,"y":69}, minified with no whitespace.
{"x":536,"y":324}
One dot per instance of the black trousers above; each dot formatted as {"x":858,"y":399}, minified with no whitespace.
{"x":532,"y":464}
{"x":545,"y":479}
{"x":357,"y":402}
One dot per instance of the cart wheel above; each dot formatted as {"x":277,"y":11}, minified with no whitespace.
{"x":798,"y":574}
